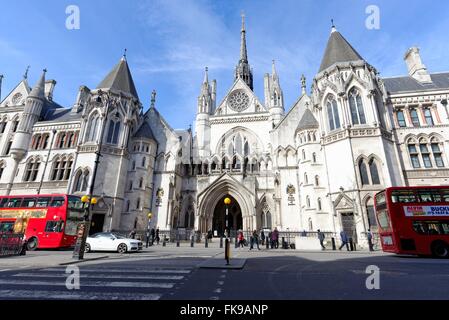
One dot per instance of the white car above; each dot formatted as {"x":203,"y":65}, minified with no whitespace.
{"x":108,"y":241}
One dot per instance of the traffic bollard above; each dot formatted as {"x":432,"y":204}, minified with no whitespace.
{"x":177,"y":243}
{"x":236,"y":243}
{"x":351,"y":244}
{"x":163,"y":242}
{"x":334,"y":247}
{"x":191,"y":242}
{"x":227,"y":249}
{"x":221,"y":242}
{"x":268,"y":244}
{"x":206,"y":244}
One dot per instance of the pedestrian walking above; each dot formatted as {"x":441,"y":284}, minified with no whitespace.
{"x":262,"y":237}
{"x":275,"y":238}
{"x":344,"y":240}
{"x":241,"y":239}
{"x":153,"y":236}
{"x":132,"y":234}
{"x":147,"y":237}
{"x":254,"y":240}
{"x":369,"y":235}
{"x":157,"y":236}
{"x":321,"y":237}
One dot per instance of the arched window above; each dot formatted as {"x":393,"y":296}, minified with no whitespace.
{"x":429,"y":152}
{"x":130,"y":185}
{"x":36,"y":142}
{"x":134,"y":165}
{"x":332,"y":114}
{"x":141,"y":183}
{"x":314,"y":157}
{"x":81,"y":180}
{"x":356,"y":106}
{"x":437,"y":154}
{"x":31,"y":170}
{"x":428,"y":117}
{"x":308,"y":202}
{"x":363,"y":173}
{"x":113,"y":131}
{"x":62,"y":140}
{"x":92,"y":127}
{"x":319,"y":204}
{"x":303,"y":154}
{"x":15,"y":125}
{"x":3,"y":125}
{"x":62,"y":169}
{"x":310,"y":224}
{"x":317,"y":181}
{"x":401,"y":118}
{"x":45,"y":139}
{"x":138,"y":204}
{"x":144,"y":162}
{"x":306,"y":178}
{"x":2,"y":168}
{"x":246,"y":149}
{"x":373,"y":171}
{"x":127,"y":206}
{"x":415,"y":118}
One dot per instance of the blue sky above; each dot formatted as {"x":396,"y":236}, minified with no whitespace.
{"x":170,"y":42}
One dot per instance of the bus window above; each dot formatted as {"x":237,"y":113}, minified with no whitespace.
{"x":429,"y":196}
{"x":28,"y":202}
{"x":54,"y":226}
{"x":75,"y":203}
{"x":445,"y":195}
{"x":13,"y":203}
{"x":6,"y":227}
{"x":384,"y":220}
{"x":57,"y":202}
{"x":380,"y":198}
{"x":3,"y":202}
{"x":403,"y":196}
{"x":42,"y":202}
{"x":431,"y":227}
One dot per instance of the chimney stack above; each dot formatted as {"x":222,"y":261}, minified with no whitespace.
{"x":416,"y":69}
{"x":49,"y":88}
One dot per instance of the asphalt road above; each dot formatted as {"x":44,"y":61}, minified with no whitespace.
{"x":273,"y":275}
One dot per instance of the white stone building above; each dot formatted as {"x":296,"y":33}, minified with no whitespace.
{"x":317,"y":166}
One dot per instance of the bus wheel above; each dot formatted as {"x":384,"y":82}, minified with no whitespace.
{"x":440,"y":249}
{"x":122,"y":248}
{"x":32,"y":244}
{"x":87,"y":248}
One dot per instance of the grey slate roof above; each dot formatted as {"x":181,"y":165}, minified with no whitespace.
{"x":144,"y":132}
{"x":338,"y":50}
{"x":407,"y":83}
{"x":60,"y":115}
{"x":120,"y":79}
{"x":307,"y":121}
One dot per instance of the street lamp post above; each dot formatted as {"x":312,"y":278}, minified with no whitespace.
{"x":227,"y":202}
{"x":78,"y":253}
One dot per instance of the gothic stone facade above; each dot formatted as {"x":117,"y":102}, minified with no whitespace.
{"x":318,"y":166}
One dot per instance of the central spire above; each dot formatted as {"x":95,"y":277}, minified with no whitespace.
{"x":243,"y":52}
{"x":243,"y":69}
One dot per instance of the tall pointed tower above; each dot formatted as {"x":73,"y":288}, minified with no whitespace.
{"x":206,"y":102}
{"x":243,"y":69}
{"x":32,"y":112}
{"x":274,"y":97}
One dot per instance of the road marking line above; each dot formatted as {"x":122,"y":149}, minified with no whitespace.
{"x":4,"y":270}
{"x":118,"y":284}
{"x":220,"y":283}
{"x":121,"y":271}
{"x":48,"y":275}
{"x":217,"y":290}
{"x":76,"y":295}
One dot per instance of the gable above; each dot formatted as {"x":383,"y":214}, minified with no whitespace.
{"x":17,"y":96}
{"x":239,"y":100}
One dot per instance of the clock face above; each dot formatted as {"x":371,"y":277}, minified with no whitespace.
{"x":238,"y":101}
{"x":16,"y":98}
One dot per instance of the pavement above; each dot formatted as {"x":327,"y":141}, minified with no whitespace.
{"x":185,"y":273}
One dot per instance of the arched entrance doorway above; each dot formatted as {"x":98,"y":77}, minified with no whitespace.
{"x":235,"y":219}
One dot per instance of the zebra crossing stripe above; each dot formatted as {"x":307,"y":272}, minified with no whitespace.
{"x":117,"y":284}
{"x":103,"y":276}
{"x":122,"y":271}
{"x":75,"y":295}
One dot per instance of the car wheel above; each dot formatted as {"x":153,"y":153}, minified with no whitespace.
{"x":440,"y":249}
{"x":87,"y":248}
{"x":32,"y":244}
{"x":122,"y":248}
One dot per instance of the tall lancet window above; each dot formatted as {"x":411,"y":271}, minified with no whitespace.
{"x":356,"y":106}
{"x":92,"y":127}
{"x":332,"y":113}
{"x":113,"y":131}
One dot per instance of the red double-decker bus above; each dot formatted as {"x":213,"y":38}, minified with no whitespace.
{"x":48,"y":221}
{"x":414,"y":220}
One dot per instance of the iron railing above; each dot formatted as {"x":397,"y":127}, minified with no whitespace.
{"x":11,"y":244}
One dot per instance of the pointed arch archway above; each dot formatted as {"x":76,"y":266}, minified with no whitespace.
{"x":211,"y":199}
